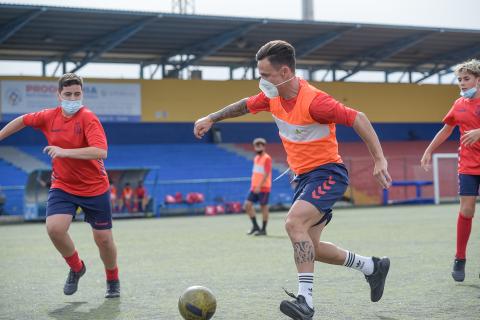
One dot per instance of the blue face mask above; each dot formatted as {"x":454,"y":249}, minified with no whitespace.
{"x":70,"y":107}
{"x":468,"y":94}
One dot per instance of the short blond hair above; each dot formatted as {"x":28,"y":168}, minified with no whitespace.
{"x":470,"y":66}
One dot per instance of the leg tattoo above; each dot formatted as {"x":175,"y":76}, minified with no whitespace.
{"x":303,"y":252}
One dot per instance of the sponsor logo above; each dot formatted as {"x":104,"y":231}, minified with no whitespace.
{"x":14,"y":97}
{"x":41,"y":88}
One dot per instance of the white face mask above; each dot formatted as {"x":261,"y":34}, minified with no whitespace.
{"x":70,"y":107}
{"x":270,"y":89}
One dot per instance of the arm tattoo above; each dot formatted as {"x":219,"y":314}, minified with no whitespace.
{"x":234,"y":110}
{"x":303,"y":252}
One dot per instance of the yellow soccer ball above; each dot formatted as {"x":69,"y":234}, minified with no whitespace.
{"x":197,"y":303}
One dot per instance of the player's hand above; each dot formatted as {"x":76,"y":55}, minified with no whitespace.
{"x":381,"y":173}
{"x":202,"y":126}
{"x":256,"y":190}
{"x":470,"y":137}
{"x":426,"y":161}
{"x":55,"y":152}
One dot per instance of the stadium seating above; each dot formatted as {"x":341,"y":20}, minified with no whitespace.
{"x":180,"y":168}
{"x":404,"y":163}
{"x":12,"y":179}
{"x":223,"y":176}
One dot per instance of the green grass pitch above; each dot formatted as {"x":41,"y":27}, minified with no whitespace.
{"x":159,"y":258}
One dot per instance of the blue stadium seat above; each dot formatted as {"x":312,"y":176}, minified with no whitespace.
{"x":184,"y":162}
{"x":11,"y":179}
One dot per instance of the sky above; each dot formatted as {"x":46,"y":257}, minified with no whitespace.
{"x":430,"y":13}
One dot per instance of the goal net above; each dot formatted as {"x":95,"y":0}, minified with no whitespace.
{"x":445,"y":177}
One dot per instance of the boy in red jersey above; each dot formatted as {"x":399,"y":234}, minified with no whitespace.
{"x":306,"y":117}
{"x":77,"y":146}
{"x":464,"y":113}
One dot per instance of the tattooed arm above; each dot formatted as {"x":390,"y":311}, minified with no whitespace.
{"x":234,"y":110}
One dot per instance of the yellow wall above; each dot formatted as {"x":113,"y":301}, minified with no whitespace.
{"x":187,"y":100}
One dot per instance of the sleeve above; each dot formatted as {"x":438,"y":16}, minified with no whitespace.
{"x":35,"y":120}
{"x":450,"y":117}
{"x":325,"y":109}
{"x":95,"y":134}
{"x":268,"y":166}
{"x":258,"y":103}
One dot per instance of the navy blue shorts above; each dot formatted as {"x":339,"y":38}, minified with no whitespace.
{"x":468,"y":184}
{"x":261,"y":197}
{"x":322,"y":187}
{"x":97,"y":209}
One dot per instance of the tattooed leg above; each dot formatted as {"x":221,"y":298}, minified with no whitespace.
{"x":300,"y":219}
{"x":304,"y":253}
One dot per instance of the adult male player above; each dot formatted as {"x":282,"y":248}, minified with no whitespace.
{"x":306,"y":119}
{"x":260,"y":187}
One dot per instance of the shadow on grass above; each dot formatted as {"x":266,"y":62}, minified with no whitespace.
{"x":275,"y":237}
{"x":386,"y":318}
{"x":475,"y":286}
{"x":108,"y":310}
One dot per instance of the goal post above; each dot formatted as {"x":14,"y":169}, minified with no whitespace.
{"x":445,"y":177}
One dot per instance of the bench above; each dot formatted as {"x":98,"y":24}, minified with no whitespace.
{"x":418,"y":184}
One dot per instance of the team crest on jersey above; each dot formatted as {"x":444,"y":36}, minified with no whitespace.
{"x":77,"y":129}
{"x":477,"y":110}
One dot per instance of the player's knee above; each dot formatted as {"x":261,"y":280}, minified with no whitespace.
{"x":103,"y":240}
{"x":55,"y":231}
{"x":293,"y":226}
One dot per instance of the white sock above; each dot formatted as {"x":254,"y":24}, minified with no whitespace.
{"x":305,"y":287}
{"x":360,"y":263}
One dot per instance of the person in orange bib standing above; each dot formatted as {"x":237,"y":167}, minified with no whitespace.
{"x":260,"y":187}
{"x":77,"y":145}
{"x":306,"y":118}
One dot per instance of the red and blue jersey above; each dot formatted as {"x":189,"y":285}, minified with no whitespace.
{"x":85,"y":178}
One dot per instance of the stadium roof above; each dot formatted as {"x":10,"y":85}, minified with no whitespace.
{"x":175,"y":41}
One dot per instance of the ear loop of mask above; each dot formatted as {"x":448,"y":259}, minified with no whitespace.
{"x":276,"y":85}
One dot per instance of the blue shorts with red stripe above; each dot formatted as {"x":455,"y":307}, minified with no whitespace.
{"x":322,"y":187}
{"x":468,"y":184}
{"x":97,"y":209}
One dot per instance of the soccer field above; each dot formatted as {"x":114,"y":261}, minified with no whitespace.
{"x":159,"y":258}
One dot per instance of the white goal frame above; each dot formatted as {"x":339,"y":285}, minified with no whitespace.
{"x":436,"y":177}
